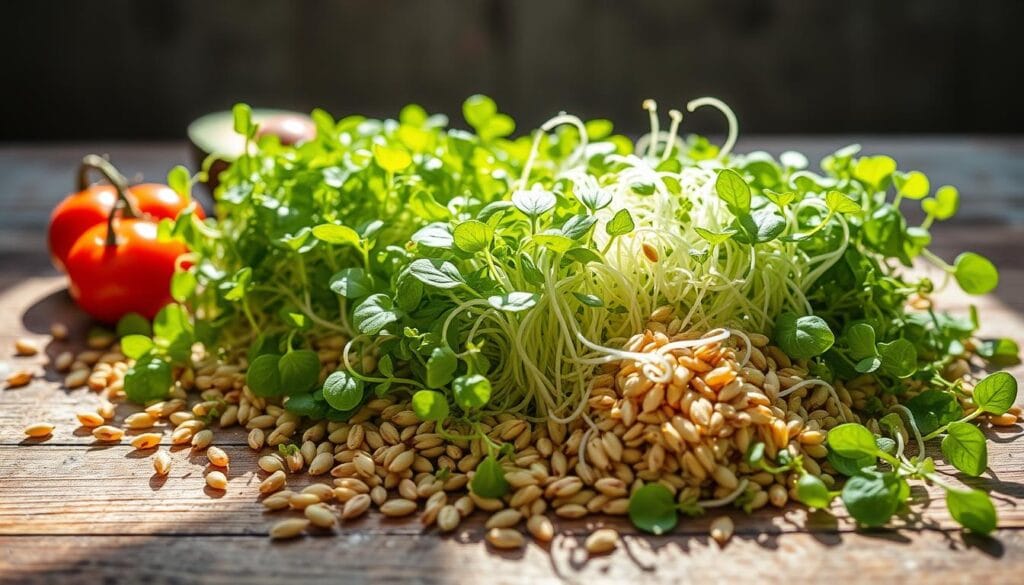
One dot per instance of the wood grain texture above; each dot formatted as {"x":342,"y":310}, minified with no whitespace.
{"x":881,"y":558}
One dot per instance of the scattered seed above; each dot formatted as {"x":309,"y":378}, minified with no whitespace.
{"x":217,"y":456}
{"x":721,"y":529}
{"x":25,"y":347}
{"x":356,"y":507}
{"x":89,"y":419}
{"x":217,"y":480}
{"x":38,"y":430}
{"x":202,"y":439}
{"x":107,"y":433}
{"x":504,"y":519}
{"x":162,"y":462}
{"x":541,"y":528}
{"x":398,"y":507}
{"x":289,"y":528}
{"x":505,"y":538}
{"x":19,"y":378}
{"x":146,"y":441}
{"x":321,"y":515}
{"x":274,"y":482}
{"x":602,"y":541}
{"x":448,"y":518}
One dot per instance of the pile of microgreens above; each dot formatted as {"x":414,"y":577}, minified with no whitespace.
{"x":489,"y":274}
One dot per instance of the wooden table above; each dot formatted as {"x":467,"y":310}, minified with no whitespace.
{"x":73,"y":511}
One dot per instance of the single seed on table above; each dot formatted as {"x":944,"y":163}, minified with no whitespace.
{"x":217,"y":456}
{"x":58,"y":331}
{"x":504,"y":519}
{"x":202,"y":439}
{"x":602,"y":541}
{"x":398,"y":507}
{"x":320,"y":490}
{"x":277,"y":501}
{"x":356,"y":507}
{"x":541,"y":528}
{"x":303,"y":501}
{"x":321,"y":515}
{"x":289,"y":528}
{"x":321,"y":464}
{"x":364,"y":465}
{"x":448,"y":518}
{"x":108,"y":433}
{"x":89,"y":419}
{"x":505,"y":538}
{"x":274,"y":482}
{"x":256,"y":439}
{"x":721,"y":529}
{"x":1007,"y":419}
{"x":19,"y":378}
{"x":146,"y":441}
{"x":25,"y":347}
{"x":63,"y":361}
{"x":39,"y":430}
{"x":76,"y":379}
{"x":162,"y":462}
{"x":217,"y":480}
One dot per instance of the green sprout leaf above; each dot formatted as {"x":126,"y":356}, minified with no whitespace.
{"x":351,"y":283}
{"x":872,"y":498}
{"x":436,"y":273}
{"x":715,"y":238}
{"x":782,"y":200}
{"x":148,"y":379}
{"x":264,"y":375}
{"x":620,"y":224}
{"x":975,"y":274}
{"x":133,"y":324}
{"x":852,"y":441}
{"x":813,"y":492}
{"x":996,"y":393}
{"x":343,"y":391}
{"x":374,"y":314}
{"x":944,"y":205}
{"x":973,"y":509}
{"x":534,"y":202}
{"x":840,"y":203}
{"x":135,"y":346}
{"x":333,"y":233}
{"x":803,"y":337}
{"x":965,"y":448}
{"x":513,"y":302}
{"x":653,"y":509}
{"x":392,"y":160}
{"x":441,"y":367}
{"x":933,"y":409}
{"x":430,"y":405}
{"x":733,"y":190}
{"x":912,"y":185}
{"x":472,"y":391}
{"x":489,"y":479}
{"x":874,"y":170}
{"x":300,"y":371}
{"x":899,"y":358}
{"x":473,"y":236}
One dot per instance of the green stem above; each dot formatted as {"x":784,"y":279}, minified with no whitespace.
{"x":95,"y":162}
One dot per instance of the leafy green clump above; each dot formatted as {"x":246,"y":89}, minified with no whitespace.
{"x":486,"y":274}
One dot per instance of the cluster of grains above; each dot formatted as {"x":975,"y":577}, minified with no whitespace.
{"x":683,"y":418}
{"x":690,"y":427}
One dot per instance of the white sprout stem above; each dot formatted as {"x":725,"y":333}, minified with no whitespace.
{"x":734,"y":126}
{"x":746,"y":342}
{"x":728,"y":499}
{"x":652,"y":109}
{"x":673,"y":130}
{"x":913,"y":426}
{"x":561,"y":118}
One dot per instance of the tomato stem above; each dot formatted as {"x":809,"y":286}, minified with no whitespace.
{"x":117,"y":180}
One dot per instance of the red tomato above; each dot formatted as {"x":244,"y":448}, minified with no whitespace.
{"x":81,"y":211}
{"x":134,"y":275}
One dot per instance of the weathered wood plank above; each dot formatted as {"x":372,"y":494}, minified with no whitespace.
{"x":110,"y":489}
{"x":932,"y":557}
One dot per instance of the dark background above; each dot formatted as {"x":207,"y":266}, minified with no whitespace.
{"x":142,"y":70}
